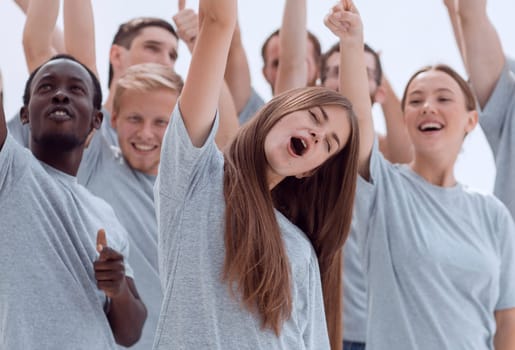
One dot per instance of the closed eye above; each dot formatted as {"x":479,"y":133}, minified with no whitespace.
{"x":314,"y":117}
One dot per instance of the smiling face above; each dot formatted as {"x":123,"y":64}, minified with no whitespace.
{"x":436,"y":115}
{"x":303,"y":140}
{"x":141,"y":122}
{"x":60,"y":110}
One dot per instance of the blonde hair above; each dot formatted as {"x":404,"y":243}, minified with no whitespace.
{"x":146,"y":77}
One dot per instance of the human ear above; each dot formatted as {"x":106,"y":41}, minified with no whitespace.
{"x":97,"y":119}
{"x":24,"y":115}
{"x":472,"y":119}
{"x":114,"y":119}
{"x":116,"y":56}
{"x":380,"y":95}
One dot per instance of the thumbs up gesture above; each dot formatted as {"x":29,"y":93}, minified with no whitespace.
{"x":186,"y":21}
{"x":109,"y":268}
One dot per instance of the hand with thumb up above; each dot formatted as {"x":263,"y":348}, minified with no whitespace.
{"x":109,"y":268}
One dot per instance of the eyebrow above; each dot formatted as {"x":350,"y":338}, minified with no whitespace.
{"x":326,"y":118}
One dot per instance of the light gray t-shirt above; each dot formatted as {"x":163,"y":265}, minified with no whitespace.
{"x":253,"y":105}
{"x":48,"y":293}
{"x":439,"y":261}
{"x":21,"y":132}
{"x":198,"y":310}
{"x":130,"y":193}
{"x":498,"y":123}
{"x":354,"y":290}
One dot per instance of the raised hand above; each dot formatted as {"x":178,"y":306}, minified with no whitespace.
{"x":187,"y":22}
{"x":345,"y":22}
{"x":109,"y":268}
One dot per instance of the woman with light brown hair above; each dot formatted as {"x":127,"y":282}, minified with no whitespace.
{"x":250,"y":239}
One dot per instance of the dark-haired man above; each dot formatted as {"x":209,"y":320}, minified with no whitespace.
{"x":58,"y":289}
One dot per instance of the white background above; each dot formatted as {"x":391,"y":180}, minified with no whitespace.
{"x":409,"y":34}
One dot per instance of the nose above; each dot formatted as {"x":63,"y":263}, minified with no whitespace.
{"x":428,"y":108}
{"x":60,"y":97}
{"x":315,"y":136}
{"x":145,"y":132}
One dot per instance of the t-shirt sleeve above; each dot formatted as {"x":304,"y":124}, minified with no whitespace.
{"x":183,"y":170}
{"x":315,"y":330}
{"x":511,"y":63}
{"x":366,"y":193}
{"x":181,"y":162}
{"x":507,"y":256}
{"x":19,"y":131}
{"x":497,"y":116}
{"x":14,"y":160}
{"x":254,"y":103}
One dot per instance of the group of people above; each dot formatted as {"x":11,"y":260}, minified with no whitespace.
{"x":191,"y":214}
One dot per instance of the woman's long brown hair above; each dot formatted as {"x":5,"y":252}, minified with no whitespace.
{"x":256,"y":264}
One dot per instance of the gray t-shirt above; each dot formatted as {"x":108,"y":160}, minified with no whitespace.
{"x":498,"y":123}
{"x":130,"y":193}
{"x":48,"y":293}
{"x":198,"y":310}
{"x":21,"y":132}
{"x":439,"y":261}
{"x":354,"y":290}
{"x":253,"y":105}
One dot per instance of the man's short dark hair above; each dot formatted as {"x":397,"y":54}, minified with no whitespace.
{"x":378,"y":72}
{"x":131,"y":29}
{"x":97,"y":94}
{"x":317,"y":49}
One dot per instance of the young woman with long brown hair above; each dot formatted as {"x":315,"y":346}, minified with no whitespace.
{"x":439,"y":257}
{"x":250,"y":240}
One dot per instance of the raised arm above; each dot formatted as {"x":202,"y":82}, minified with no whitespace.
{"x":57,"y":34}
{"x":452,"y":10}
{"x":37,"y":33}
{"x":482,"y":47}
{"x":3,"y":126}
{"x":237,"y":72}
{"x":201,"y":92}
{"x":292,"y":71}
{"x":395,"y":145}
{"x":344,"y":21}
{"x":79,"y":32}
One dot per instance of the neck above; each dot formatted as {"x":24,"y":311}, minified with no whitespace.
{"x":68,"y":161}
{"x":273,"y":179}
{"x":438,"y":171}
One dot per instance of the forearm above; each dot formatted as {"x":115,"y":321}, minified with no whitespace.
{"x":37,"y":33}
{"x":206,"y":73}
{"x":79,"y":32}
{"x":292,"y":71}
{"x":126,"y":315}
{"x":505,"y":337}
{"x":237,"y":72}
{"x":398,"y":144}
{"x":229,"y":123}
{"x":482,"y":47}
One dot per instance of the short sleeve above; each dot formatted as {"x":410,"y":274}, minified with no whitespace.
{"x":506,"y":229}
{"x":497,"y":116}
